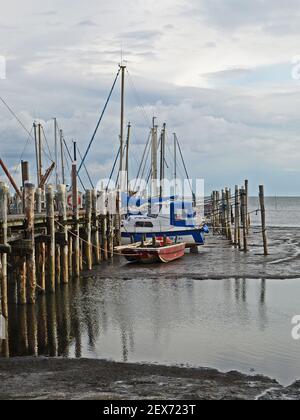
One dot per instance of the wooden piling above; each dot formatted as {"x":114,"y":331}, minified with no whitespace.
{"x":51,"y":238}
{"x":76,"y":239}
{"x":244,"y":219}
{"x":237,"y":231}
{"x":63,"y":228}
{"x":29,"y":235}
{"x":3,"y":241}
{"x":263,"y":218}
{"x":95,"y":229}
{"x":88,"y":230}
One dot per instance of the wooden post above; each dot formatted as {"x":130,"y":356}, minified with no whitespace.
{"x":3,"y":241}
{"x":62,"y":210}
{"x":218,"y":208}
{"x":51,"y":235}
{"x":228,"y":215}
{"x":244,"y":219}
{"x":223,"y":214}
{"x":95,"y":231}
{"x":29,"y":234}
{"x":214,"y":211}
{"x":76,"y":240}
{"x":88,"y":228}
{"x":263,"y":218}
{"x":118,"y":219}
{"x":247,"y":205}
{"x":22,"y":281}
{"x":237,"y":232}
{"x":38,"y":200}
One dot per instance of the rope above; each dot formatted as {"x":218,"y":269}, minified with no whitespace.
{"x":99,"y":122}
{"x":91,"y":244}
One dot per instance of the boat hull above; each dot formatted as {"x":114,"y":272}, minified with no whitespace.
{"x":155,"y":255}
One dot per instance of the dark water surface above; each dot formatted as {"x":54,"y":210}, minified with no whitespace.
{"x":240,"y":325}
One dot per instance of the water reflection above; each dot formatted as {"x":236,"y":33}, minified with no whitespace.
{"x":228,"y":324}
{"x":88,"y":310}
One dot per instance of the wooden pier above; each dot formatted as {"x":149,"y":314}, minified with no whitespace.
{"x":49,"y":243}
{"x":229,"y":215}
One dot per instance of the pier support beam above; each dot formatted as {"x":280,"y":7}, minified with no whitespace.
{"x":263,"y":218}
{"x":3,"y":241}
{"x":51,"y":238}
{"x":88,"y":228}
{"x":62,"y":210}
{"x":29,"y":234}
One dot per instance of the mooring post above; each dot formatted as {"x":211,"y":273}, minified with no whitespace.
{"x":228,"y":214}
{"x":117,"y":218}
{"x":38,"y":200}
{"x":237,"y":232}
{"x":263,"y":218}
{"x":95,"y":231}
{"x":223,"y":210}
{"x":88,"y":230}
{"x":244,"y":219}
{"x":40,"y":247}
{"x":218,"y":208}
{"x":51,"y":237}
{"x":29,"y":234}
{"x":3,"y":241}
{"x":76,"y":240}
{"x":214,"y":207}
{"x":247,"y":205}
{"x":62,"y":210}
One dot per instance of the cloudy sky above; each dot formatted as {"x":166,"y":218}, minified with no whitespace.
{"x":222,"y":74}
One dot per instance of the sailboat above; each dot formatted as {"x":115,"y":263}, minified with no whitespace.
{"x":162,"y":216}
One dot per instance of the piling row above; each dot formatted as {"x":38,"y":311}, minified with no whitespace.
{"x":49,"y":243}
{"x":230,"y":216}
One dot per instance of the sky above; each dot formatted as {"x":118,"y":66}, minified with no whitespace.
{"x":223,"y":74}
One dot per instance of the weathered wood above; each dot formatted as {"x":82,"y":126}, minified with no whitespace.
{"x":88,"y":230}
{"x":263,"y":218}
{"x":237,"y":231}
{"x":76,"y":239}
{"x":95,"y":232}
{"x":29,"y":235}
{"x":51,"y":233}
{"x":247,"y":205}
{"x":62,"y":209}
{"x":3,"y":240}
{"x":38,"y":200}
{"x":22,"y":281}
{"x":244,"y":219}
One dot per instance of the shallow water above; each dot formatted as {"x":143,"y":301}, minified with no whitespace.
{"x":156,"y":314}
{"x":280,"y":211}
{"x":240,"y":325}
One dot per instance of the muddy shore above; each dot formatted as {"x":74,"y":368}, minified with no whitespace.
{"x":59,"y":379}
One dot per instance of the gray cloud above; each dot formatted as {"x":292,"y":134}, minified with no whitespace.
{"x":227,"y":132}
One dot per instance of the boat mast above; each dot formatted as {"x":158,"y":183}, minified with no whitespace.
{"x":127,"y":159}
{"x":40,"y":153}
{"x":162,"y":160}
{"x":56,"y":151}
{"x":62,"y":157}
{"x":154,"y":171}
{"x":123,"y":68}
{"x":175,"y":164}
{"x":36,"y":154}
